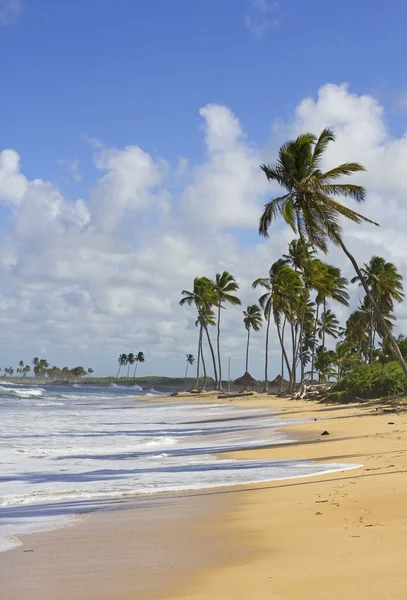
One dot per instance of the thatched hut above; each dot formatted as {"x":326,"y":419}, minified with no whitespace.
{"x":247,"y":381}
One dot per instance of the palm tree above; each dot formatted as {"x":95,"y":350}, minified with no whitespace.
{"x":266,"y":303}
{"x":202,"y":297}
{"x":90,"y":371}
{"x":140,"y":358}
{"x":252,"y":320}
{"x":26,"y":370}
{"x":345,"y":357}
{"x":122,"y":360}
{"x":386,"y":286}
{"x":328,"y":324}
{"x":131,"y":359}
{"x":309,"y":206}
{"x":21,"y":367}
{"x":224,"y":285}
{"x":190,"y":361}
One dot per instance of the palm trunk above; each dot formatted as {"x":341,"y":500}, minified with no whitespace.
{"x":313,"y":345}
{"x":128,"y":369}
{"x":283,"y":350}
{"x":204,"y":368}
{"x":247,"y":350}
{"x":378,"y":313}
{"x":118,"y":372}
{"x":282,"y":372}
{"x":135,"y":370}
{"x":198,"y":362}
{"x":371,"y":336}
{"x":293,"y":367}
{"x":213,"y":357}
{"x":186,"y":371}
{"x":266,"y":362}
{"x":218,"y":348}
{"x":323,"y":328}
{"x":300,"y":350}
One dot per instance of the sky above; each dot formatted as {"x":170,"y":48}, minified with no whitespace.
{"x":131,"y":138}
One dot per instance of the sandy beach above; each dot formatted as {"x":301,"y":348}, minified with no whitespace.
{"x":329,"y":536}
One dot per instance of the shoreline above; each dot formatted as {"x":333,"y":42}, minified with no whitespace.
{"x":243,"y":512}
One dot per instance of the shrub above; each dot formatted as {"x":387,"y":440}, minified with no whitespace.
{"x":372,"y":381}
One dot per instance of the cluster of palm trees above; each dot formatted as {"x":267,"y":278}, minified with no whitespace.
{"x":299,"y":285}
{"x":42,"y":370}
{"x":206,"y":296}
{"x":129,"y":360}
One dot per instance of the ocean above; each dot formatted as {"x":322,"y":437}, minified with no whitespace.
{"x":68,"y":450}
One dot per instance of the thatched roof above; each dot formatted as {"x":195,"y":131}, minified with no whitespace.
{"x":276,"y":382}
{"x":246,"y":380}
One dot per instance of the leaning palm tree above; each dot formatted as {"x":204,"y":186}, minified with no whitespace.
{"x":310,"y":207}
{"x":140,"y":358}
{"x":190,"y":361}
{"x":252,"y":320}
{"x":122,"y":360}
{"x":224,"y":285}
{"x":131,"y":359}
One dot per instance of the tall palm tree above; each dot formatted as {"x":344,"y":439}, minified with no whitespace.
{"x":122,"y":360}
{"x":386,"y":286}
{"x":266,"y":303}
{"x":252,"y":320}
{"x":328,"y":324}
{"x":202,"y":297}
{"x":190,"y":361}
{"x":140,"y":358}
{"x":131,"y":359}
{"x":310,"y":207}
{"x":224,"y":285}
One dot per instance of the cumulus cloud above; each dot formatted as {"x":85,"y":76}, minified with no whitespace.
{"x":226,"y":189}
{"x":85,"y":279}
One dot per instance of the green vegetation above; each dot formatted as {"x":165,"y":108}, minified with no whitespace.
{"x":371,"y":381}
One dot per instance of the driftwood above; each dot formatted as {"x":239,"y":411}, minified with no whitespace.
{"x":317,"y":391}
{"x":236,"y":395}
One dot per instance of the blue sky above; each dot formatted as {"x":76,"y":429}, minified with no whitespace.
{"x":127,"y":70}
{"x":131,"y":73}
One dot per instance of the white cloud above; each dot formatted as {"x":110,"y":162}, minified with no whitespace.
{"x":13,"y":184}
{"x":89,"y":278}
{"x":225,"y":190}
{"x":10,"y":11}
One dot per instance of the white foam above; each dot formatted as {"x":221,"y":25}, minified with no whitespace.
{"x":22,"y":392}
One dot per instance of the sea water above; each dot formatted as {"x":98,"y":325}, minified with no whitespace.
{"x":66,"y":450}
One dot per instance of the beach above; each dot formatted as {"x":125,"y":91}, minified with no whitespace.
{"x":331,"y":535}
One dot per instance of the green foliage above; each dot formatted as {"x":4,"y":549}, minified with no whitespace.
{"x":372,"y":381}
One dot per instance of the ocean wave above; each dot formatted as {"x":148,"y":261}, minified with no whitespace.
{"x":135,"y":387}
{"x":21,"y":392}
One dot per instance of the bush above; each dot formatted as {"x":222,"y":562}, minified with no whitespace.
{"x":372,"y":381}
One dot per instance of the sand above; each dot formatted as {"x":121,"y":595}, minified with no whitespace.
{"x":340,"y":535}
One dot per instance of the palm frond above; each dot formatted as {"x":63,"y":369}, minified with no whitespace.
{"x":272,"y":210}
{"x":356,"y":192}
{"x":327,"y":135}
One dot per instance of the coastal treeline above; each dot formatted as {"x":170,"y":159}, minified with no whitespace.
{"x":300,"y":290}
{"x":41,"y":369}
